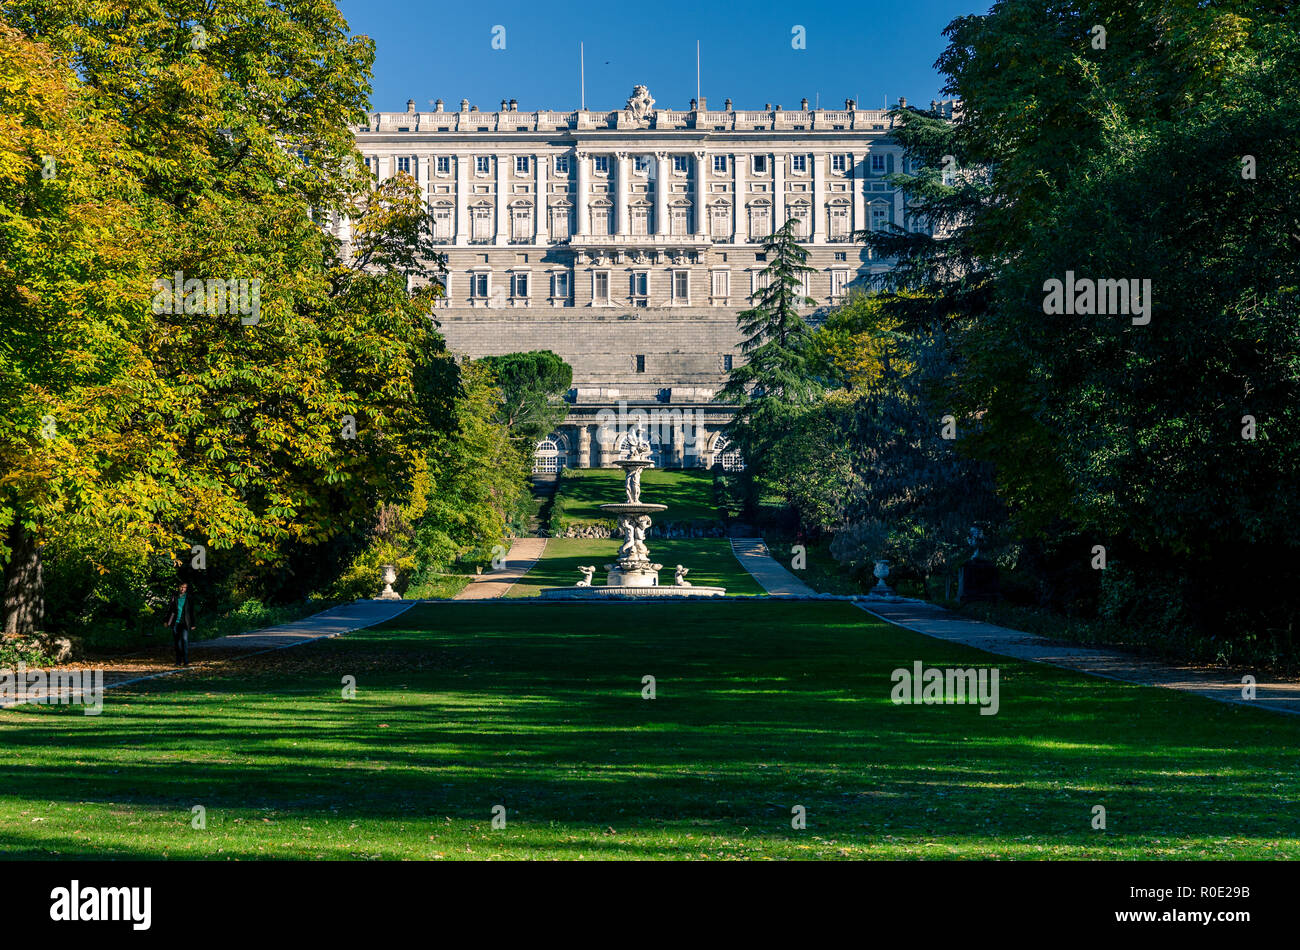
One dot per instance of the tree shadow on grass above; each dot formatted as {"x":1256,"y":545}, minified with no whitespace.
{"x":759,"y":706}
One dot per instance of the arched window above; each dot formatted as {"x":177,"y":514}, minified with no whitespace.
{"x":726,"y":456}
{"x":548,"y":458}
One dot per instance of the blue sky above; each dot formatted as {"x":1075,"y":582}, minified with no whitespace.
{"x":864,"y":49}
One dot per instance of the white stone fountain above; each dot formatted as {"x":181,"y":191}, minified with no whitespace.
{"x":633,"y":574}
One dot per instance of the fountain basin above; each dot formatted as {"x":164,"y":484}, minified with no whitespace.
{"x":633,"y":508}
{"x":629,"y":593}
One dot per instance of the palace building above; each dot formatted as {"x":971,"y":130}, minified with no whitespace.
{"x":627,"y":241}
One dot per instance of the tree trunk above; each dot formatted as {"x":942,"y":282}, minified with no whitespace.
{"x":24,"y":593}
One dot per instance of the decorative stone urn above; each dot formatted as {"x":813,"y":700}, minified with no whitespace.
{"x":881,"y":571}
{"x":390,"y":578}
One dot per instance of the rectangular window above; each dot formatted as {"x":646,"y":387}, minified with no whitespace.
{"x":802,"y":214}
{"x":679,"y":221}
{"x":521,"y":164}
{"x":561,"y":164}
{"x":404,"y":165}
{"x":841,"y":255}
{"x":521,"y":224}
{"x":799,"y":164}
{"x":602,"y":164}
{"x":640,"y":281}
{"x":442,"y":224}
{"x":838,"y":163}
{"x":681,"y":286}
{"x":839,"y":222}
{"x":719,"y":163}
{"x":727,"y":363}
{"x":482,"y":224}
{"x":640,"y":363}
{"x":478,"y":286}
{"x":482,"y":164}
{"x":720,"y":222}
{"x":721,"y":284}
{"x":444,"y":164}
{"x":640,"y":220}
{"x":519,"y":284}
{"x":760,"y":222}
{"x":839,"y":280}
{"x":877,"y":163}
{"x":879,"y":217}
{"x":679,"y":163}
{"x":640,"y":164}
{"x":760,"y":164}
{"x":560,"y":284}
{"x":600,"y":286}
{"x":560,"y":218}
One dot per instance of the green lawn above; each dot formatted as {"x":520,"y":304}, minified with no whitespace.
{"x":536,"y":707}
{"x":710,"y":560}
{"x":688,"y":493}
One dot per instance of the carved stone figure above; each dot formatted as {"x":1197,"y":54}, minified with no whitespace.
{"x":627,"y":552}
{"x":679,"y":579}
{"x":640,"y":106}
{"x":586,"y":575}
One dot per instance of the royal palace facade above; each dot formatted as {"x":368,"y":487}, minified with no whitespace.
{"x":627,"y":241}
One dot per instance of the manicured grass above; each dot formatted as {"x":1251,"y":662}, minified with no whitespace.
{"x":435,"y":586}
{"x":539,"y":708}
{"x":688,"y":493}
{"x":710,"y":560}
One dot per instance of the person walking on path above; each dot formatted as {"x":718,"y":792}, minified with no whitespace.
{"x":180,"y":617}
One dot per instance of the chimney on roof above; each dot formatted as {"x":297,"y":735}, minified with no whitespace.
{"x":410,"y":107}
{"x":503,"y":105}
{"x":726,"y":104}
{"x":514,"y":105}
{"x":704,"y":103}
{"x":437,"y":105}
{"x":464,"y":105}
{"x":803,"y":103}
{"x":767,"y":107}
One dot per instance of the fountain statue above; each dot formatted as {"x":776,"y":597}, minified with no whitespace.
{"x":634,"y":574}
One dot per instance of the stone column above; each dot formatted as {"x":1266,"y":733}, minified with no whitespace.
{"x":663,"y":184}
{"x":426,"y":188}
{"x":819,"y":199}
{"x":541,"y":216}
{"x":462,"y":199}
{"x":738,"y":235}
{"x":584,"y":186}
{"x":624,"y":187}
{"x":679,"y":446}
{"x":503,"y":195}
{"x":701,"y":189}
{"x":584,"y":447}
{"x":778,"y":191}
